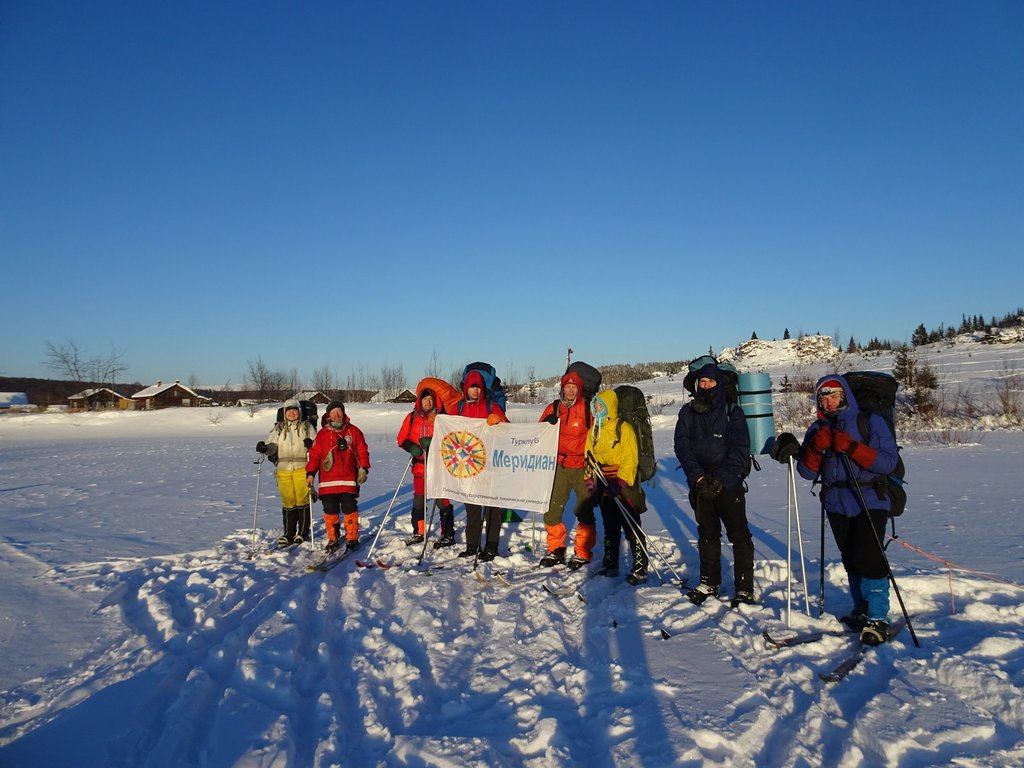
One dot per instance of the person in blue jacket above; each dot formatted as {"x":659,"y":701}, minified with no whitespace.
{"x":835,"y":451}
{"x":713,"y":447}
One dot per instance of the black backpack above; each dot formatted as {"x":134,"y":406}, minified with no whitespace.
{"x":591,"y":378}
{"x":307,"y":409}
{"x":633,"y":408}
{"x":875,"y":392}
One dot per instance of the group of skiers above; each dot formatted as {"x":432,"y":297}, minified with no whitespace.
{"x":597,"y":462}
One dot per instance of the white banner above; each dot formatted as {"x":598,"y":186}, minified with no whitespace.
{"x":511,"y":466}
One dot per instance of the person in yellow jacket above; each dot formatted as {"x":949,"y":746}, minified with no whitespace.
{"x":611,"y":477}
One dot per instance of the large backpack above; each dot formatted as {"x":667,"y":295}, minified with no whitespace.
{"x":633,"y":408}
{"x":494,"y":390}
{"x":445,"y":395}
{"x":875,"y":392}
{"x":307,"y":409}
{"x":591,"y":378}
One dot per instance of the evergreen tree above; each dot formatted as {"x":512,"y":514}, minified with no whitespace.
{"x":753,"y":336}
{"x":920,"y":336}
{"x":785,"y":334}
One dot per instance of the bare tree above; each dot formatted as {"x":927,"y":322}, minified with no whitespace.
{"x":264,"y":382}
{"x":392,"y":381}
{"x":70,"y":362}
{"x":433,"y":368}
{"x":323,"y":380}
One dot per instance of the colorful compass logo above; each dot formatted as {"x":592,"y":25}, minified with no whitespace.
{"x":463,"y":454}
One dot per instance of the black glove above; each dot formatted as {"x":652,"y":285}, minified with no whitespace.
{"x":342,"y":444}
{"x":261,"y":447}
{"x":308,"y":443}
{"x":709,"y":488}
{"x":786,"y":446}
{"x":552,"y":419}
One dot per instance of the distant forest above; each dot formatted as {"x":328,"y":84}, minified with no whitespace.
{"x":44,"y":392}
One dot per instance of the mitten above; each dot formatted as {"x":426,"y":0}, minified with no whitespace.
{"x":708,"y":488}
{"x":425,"y":444}
{"x":308,"y":443}
{"x":786,"y":447}
{"x":811,"y":458}
{"x":494,"y":419}
{"x":261,"y":447}
{"x":821,"y":440}
{"x":361,"y":475}
{"x":615,"y":487}
{"x":551,"y":419}
{"x":414,"y":450}
{"x":842,"y":442}
{"x":863,"y":455}
{"x":342,"y":443}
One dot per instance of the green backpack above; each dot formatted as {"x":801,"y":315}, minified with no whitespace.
{"x":633,"y":408}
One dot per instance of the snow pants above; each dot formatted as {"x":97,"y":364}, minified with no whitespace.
{"x":867,"y":571}
{"x":729,"y":508}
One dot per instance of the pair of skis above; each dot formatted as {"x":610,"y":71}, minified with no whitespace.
{"x":331,"y":560}
{"x":846,"y":665}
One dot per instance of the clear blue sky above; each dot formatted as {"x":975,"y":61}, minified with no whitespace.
{"x":359,"y":184}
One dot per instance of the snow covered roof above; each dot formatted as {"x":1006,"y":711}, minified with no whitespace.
{"x":87,"y":393}
{"x":159,"y":387}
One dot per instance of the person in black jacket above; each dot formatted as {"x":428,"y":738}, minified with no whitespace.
{"x":713,"y":448}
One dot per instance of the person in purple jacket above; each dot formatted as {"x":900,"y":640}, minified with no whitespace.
{"x":848,"y":465}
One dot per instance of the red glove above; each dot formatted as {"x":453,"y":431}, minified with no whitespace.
{"x":615,"y":487}
{"x":842,"y":442}
{"x":811,"y":458}
{"x":821,"y":440}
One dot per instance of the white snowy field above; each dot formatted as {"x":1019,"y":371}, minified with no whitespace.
{"x":136,"y":632}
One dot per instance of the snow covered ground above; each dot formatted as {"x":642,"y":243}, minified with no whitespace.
{"x":136,"y":632}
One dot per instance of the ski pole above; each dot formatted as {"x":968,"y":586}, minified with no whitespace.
{"x":878,"y":541}
{"x":426,"y":532}
{"x":821,"y":567}
{"x":256,"y":504}
{"x":388,"y":511}
{"x":799,"y":537}
{"x":645,"y":541}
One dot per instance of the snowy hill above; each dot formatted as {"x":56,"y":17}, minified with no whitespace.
{"x":137,"y":632}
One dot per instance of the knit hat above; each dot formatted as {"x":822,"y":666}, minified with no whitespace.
{"x":829,"y":387}
{"x":335,"y":404}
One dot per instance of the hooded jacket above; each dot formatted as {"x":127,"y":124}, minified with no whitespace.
{"x":289,"y":441}
{"x":338,"y":467}
{"x":612,"y":441}
{"x":418,"y":425}
{"x":572,"y":425}
{"x":483,"y":407}
{"x":712,"y":442}
{"x":839,"y":494}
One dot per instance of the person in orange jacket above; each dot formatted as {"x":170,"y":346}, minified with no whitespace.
{"x":474,"y":404}
{"x":414,"y":437}
{"x":340,"y":454}
{"x":571,"y":412}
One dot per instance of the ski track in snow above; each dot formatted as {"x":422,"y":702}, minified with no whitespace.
{"x":398,"y":667}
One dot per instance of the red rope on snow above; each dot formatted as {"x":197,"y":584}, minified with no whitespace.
{"x":950,"y":567}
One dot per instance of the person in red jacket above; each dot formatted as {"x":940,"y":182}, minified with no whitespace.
{"x":341,"y":456}
{"x":414,"y":437}
{"x":474,"y":404}
{"x":571,"y":412}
